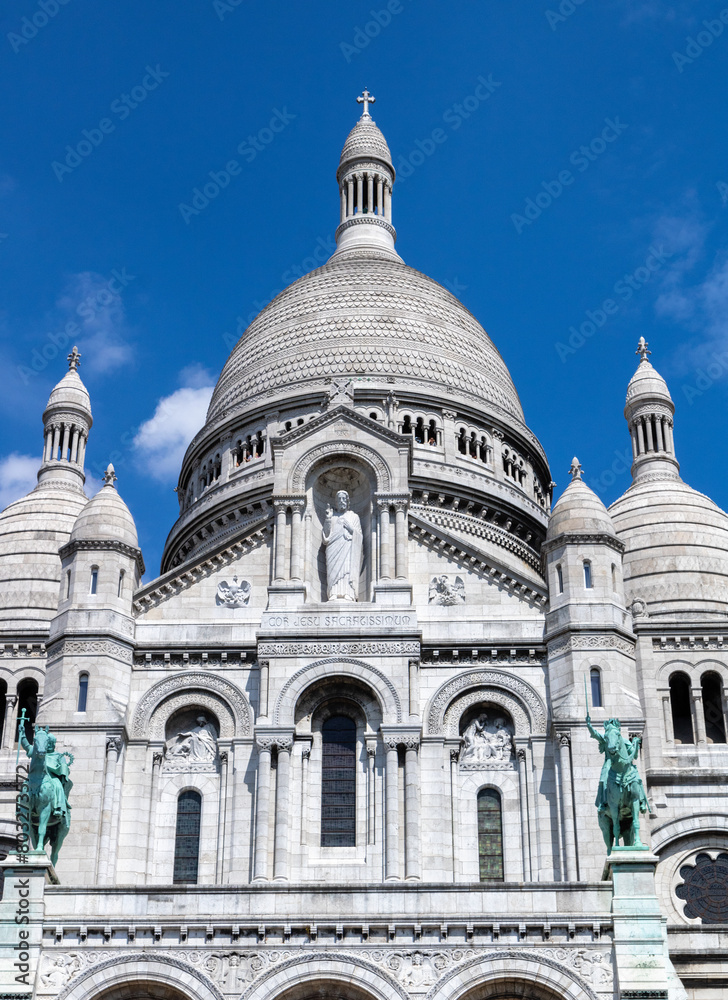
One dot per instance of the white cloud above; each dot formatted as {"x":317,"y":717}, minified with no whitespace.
{"x":95,"y":304}
{"x":18,"y":476}
{"x":162,"y":440}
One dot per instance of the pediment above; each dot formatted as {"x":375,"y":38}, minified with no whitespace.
{"x":341,"y":416}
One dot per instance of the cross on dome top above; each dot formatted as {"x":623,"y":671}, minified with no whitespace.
{"x":575,"y":470}
{"x":366,"y":99}
{"x":642,"y":349}
{"x":74,"y":359}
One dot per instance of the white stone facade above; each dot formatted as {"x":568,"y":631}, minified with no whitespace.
{"x":459,"y":669}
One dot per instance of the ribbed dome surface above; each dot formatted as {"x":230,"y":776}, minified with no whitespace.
{"x":31,"y":532}
{"x":106,"y":518}
{"x":365,"y":139}
{"x":70,"y":391}
{"x":579,"y":511}
{"x":647,"y":382}
{"x":676,"y":541}
{"x":366,"y":316}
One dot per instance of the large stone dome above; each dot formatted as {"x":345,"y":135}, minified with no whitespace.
{"x":365,"y":316}
{"x":676,"y":557}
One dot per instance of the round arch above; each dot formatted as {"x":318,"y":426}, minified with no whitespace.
{"x":163,"y":978}
{"x":361,"y":454}
{"x":516,"y":974}
{"x":692,"y":826}
{"x":383,"y":689}
{"x":347,"y":976}
{"x":204,"y":689}
{"x":522,"y":701}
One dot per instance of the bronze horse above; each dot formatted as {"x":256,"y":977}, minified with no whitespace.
{"x":50,"y":813}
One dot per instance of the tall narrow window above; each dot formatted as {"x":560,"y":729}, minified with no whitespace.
{"x":187,"y":838}
{"x":713,"y":707}
{"x":560,"y":579}
{"x":68,"y":583}
{"x":94,"y":580}
{"x":682,"y":718}
{"x":338,"y":783}
{"x":614,"y":579}
{"x":120,"y":589}
{"x":82,"y":692}
{"x":490,"y":836}
{"x":596,"y":687}
{"x":587,"y":574}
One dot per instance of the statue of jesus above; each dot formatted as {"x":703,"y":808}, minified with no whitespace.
{"x":342,"y":539}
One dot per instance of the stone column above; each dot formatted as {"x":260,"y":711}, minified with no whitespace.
{"x":392,"y":807}
{"x":633,"y":435}
{"x":385,"y":558}
{"x":454,"y":758}
{"x":64,"y":446}
{"x":400,"y":539}
{"x":667,"y":716}
{"x":280,"y":850}
{"x":239,"y":865}
{"x":388,"y":202}
{"x":10,"y":721}
{"x":360,"y":192}
{"x":82,"y":449}
{"x":412,"y":809}
{"x":56,"y":442}
{"x":279,"y":572}
{"x":264,"y":669}
{"x":350,"y":196}
{"x":448,"y":434}
{"x":648,"y":432}
{"x":696,"y":697}
{"x":640,"y":436}
{"x":567,"y":806}
{"x":658,"y":434}
{"x":74,"y":444}
{"x":157,"y":760}
{"x":380,"y":195}
{"x":305,"y":759}
{"x":297,"y":508}
{"x":371,"y":790}
{"x":521,"y":757}
{"x":262,"y":810}
{"x":226,"y":451}
{"x":307,"y":534}
{"x":108,"y":826}
{"x":668,"y":437}
{"x":370,"y":193}
{"x":343,"y":204}
{"x":221,"y":818}
{"x":414,"y":688}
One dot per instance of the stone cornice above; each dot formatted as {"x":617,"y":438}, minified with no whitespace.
{"x":576,"y":538}
{"x":103,"y":545}
{"x":480,"y":529}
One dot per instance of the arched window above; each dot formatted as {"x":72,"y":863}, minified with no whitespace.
{"x":94,"y":579}
{"x":338,"y":782}
{"x":560,"y":579}
{"x":587,"y":574}
{"x":28,"y":700}
{"x":490,"y":836}
{"x":187,"y":837}
{"x":373,"y":416}
{"x":682,"y":719}
{"x":596,"y":687}
{"x":713,"y":707}
{"x":82,"y":692}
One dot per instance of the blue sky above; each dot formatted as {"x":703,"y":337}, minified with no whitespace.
{"x":596,"y":169}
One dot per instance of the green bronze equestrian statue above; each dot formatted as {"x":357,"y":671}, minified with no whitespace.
{"x":621,"y":795}
{"x":49,"y":786}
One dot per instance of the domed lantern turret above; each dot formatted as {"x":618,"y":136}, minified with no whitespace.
{"x":67,"y":420}
{"x":649,"y":411}
{"x":365,"y":177}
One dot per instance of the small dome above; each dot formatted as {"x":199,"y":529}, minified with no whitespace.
{"x":365,"y":140}
{"x":676,"y":539}
{"x":70,"y":391}
{"x":106,"y":518}
{"x":647,"y":383}
{"x":579,"y":511}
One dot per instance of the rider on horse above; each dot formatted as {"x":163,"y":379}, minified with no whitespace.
{"x":621,"y":794}
{"x":57,"y":767}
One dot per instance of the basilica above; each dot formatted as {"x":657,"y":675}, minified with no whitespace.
{"x":358,"y":739}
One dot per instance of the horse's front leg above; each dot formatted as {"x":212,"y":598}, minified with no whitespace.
{"x":44,"y":816}
{"x":636,"y":841}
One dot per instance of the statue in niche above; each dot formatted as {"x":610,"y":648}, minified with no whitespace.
{"x":342,"y":538}
{"x":197,"y":746}
{"x":486,"y":741}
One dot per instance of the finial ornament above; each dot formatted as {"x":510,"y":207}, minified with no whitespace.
{"x":642,"y":349}
{"x":575,"y":469}
{"x":74,"y":359}
{"x":366,"y":99}
{"x":109,"y":475}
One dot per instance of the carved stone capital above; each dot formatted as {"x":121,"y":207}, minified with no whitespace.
{"x":449,"y":414}
{"x":113,"y":743}
{"x":157,"y":758}
{"x":564,"y":739}
{"x":223,"y":755}
{"x":371,"y":750}
{"x":521,"y":755}
{"x":454,"y":755}
{"x":297,"y":503}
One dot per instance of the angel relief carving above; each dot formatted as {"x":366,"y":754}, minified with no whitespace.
{"x":233,"y":595}
{"x":445,"y":591}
